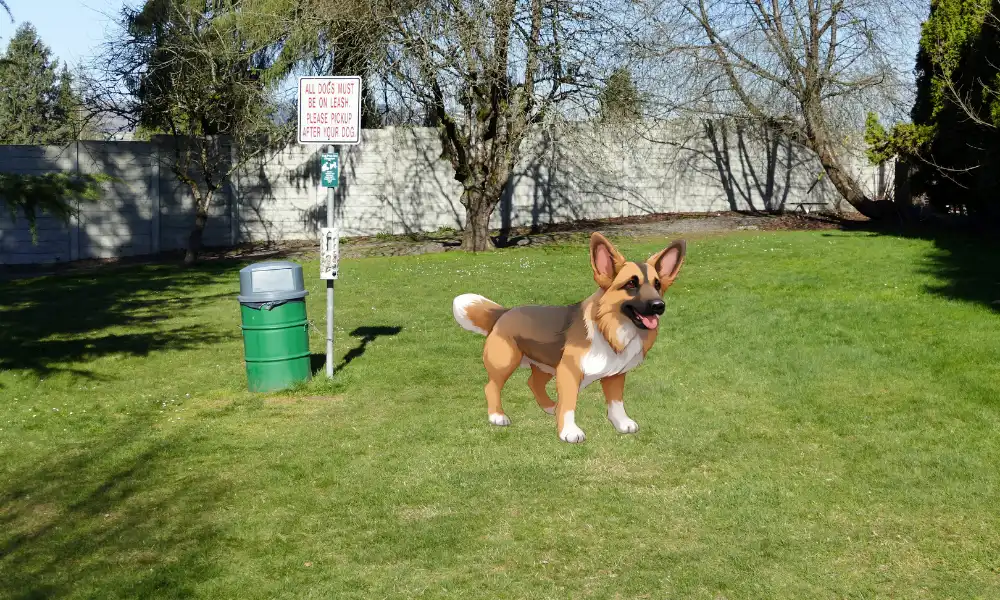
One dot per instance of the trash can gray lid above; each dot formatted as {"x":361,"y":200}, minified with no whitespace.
{"x":271,"y":280}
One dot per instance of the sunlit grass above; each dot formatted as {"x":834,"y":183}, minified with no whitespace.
{"x":814,"y":423}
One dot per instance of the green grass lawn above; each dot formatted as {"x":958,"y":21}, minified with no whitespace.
{"x":819,"y":419}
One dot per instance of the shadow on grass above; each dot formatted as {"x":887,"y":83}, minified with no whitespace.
{"x":317,"y":362}
{"x":368,"y":334}
{"x":118,"y":518}
{"x":49,"y":323}
{"x":966,"y":260}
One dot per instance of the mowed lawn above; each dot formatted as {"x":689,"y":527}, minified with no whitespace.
{"x":819,"y":419}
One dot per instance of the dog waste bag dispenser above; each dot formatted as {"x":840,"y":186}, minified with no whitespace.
{"x":275,"y":328}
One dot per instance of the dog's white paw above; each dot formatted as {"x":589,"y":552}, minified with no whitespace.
{"x":621,"y":421}
{"x":500,"y":420}
{"x":572,"y":434}
{"x":626,"y":426}
{"x":550,"y":410}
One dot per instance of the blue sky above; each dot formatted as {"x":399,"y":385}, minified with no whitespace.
{"x":73,"y":29}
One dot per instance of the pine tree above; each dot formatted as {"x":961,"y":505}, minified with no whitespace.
{"x":619,"y":100}
{"x":35,"y":108}
{"x":957,"y":104}
{"x":66,"y":112}
{"x":952,"y":137}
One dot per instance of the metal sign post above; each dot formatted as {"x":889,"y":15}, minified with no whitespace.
{"x":329,"y":245}
{"x":329,"y":113}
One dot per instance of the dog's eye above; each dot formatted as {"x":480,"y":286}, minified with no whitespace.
{"x":656,"y":284}
{"x":631,"y":284}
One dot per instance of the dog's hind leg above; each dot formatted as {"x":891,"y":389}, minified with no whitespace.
{"x":537,"y":381}
{"x":501,"y":358}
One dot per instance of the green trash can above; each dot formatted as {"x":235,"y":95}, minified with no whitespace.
{"x":275,"y":327}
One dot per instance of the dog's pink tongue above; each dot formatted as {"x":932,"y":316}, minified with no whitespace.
{"x":651,"y":321}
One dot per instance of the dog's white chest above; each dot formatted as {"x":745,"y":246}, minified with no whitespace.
{"x":602,"y":360}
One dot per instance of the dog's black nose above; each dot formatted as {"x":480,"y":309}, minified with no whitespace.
{"x":656,"y":307}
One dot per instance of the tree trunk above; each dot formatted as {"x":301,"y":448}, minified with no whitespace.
{"x":817,"y":136}
{"x":849,"y":188}
{"x":194,"y":240}
{"x":479,"y":208}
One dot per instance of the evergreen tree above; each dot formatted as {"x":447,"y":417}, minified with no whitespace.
{"x":36,"y":105}
{"x":952,"y":137}
{"x":34,"y":109}
{"x":66,"y":111}
{"x":619,"y":100}
{"x":957,"y":100}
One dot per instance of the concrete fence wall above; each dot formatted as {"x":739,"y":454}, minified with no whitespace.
{"x":396,"y":182}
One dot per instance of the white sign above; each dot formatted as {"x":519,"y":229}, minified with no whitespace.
{"x":330,"y":110}
{"x":329,"y":252}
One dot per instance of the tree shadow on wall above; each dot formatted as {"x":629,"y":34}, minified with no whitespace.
{"x":388,"y":194}
{"x":117,"y":223}
{"x":565,"y":182}
{"x":743,"y":183}
{"x":425,"y":194}
{"x":576,"y":174}
{"x":260,"y":189}
{"x":399,"y":184}
{"x":758,"y":170}
{"x":256,"y":192}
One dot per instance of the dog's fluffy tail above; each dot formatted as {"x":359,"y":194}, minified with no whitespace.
{"x":476,"y":313}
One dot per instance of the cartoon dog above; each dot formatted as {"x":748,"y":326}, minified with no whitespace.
{"x":602,"y":337}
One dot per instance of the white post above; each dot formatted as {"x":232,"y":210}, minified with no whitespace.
{"x":329,"y":284}
{"x":234,"y":197}
{"x":154,"y":197}
{"x":74,"y":223}
{"x":314,"y":107}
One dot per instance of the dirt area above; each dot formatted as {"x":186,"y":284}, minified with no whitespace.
{"x":449,"y":240}
{"x":645,"y":226}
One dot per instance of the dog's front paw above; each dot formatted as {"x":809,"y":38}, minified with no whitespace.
{"x":621,"y":421}
{"x":499,"y":420}
{"x":572,"y":434}
{"x":625,"y":425}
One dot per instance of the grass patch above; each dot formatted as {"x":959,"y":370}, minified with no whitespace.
{"x":816,"y":422}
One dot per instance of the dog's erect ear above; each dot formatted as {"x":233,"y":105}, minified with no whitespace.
{"x":605,"y":260}
{"x":668,"y":261}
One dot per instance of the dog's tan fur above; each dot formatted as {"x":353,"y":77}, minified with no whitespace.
{"x":556,"y":340}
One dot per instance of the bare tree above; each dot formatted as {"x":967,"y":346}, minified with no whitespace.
{"x":485,"y":73}
{"x":194,"y":77}
{"x":809,"y":69}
